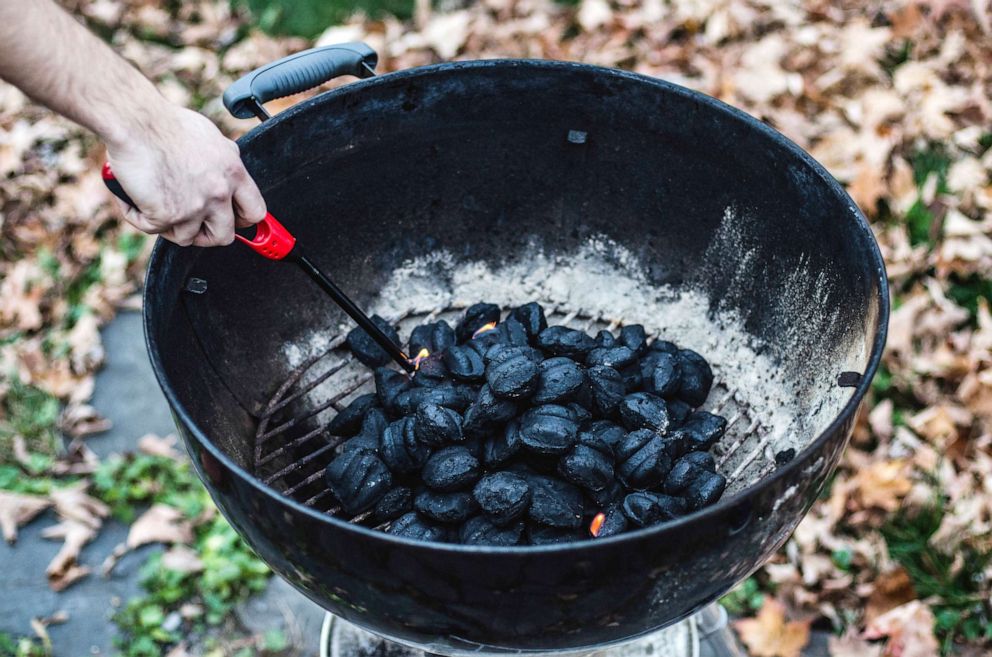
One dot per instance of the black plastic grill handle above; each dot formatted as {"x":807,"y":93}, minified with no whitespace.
{"x":295,"y":73}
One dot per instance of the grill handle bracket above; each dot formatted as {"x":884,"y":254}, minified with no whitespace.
{"x":295,"y":73}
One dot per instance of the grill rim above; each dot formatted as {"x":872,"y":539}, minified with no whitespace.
{"x":813,"y":450}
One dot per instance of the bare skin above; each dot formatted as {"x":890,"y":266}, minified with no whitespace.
{"x":184,"y":175}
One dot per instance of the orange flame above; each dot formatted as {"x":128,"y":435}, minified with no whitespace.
{"x":597,"y":524}
{"x":419,"y":357}
{"x":485,"y":327}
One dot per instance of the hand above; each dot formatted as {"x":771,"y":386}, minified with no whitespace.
{"x":187,"y":179}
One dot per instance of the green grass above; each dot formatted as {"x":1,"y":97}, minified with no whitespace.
{"x":966,"y":292}
{"x":11,"y":646}
{"x":31,"y":413}
{"x":744,"y":600}
{"x":308,"y":18}
{"x":958,"y":593}
{"x":127,"y":482}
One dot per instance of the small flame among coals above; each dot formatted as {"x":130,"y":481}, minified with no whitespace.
{"x":485,"y":327}
{"x":597,"y":524}
{"x":419,"y":357}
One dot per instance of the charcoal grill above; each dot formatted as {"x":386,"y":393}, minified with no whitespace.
{"x":608,"y":196}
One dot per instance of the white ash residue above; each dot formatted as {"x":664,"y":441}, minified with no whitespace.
{"x":776,"y":405}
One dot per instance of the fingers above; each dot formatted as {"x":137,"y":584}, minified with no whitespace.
{"x":249,"y":206}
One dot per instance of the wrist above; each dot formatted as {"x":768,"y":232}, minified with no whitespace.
{"x":136,"y":120}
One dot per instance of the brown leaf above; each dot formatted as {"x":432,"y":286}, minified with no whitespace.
{"x":770,"y":635}
{"x":881,"y":485}
{"x":155,"y":445}
{"x":17,"y":509}
{"x":160,"y":524}
{"x":79,"y":420}
{"x":892,"y":589}
{"x":851,"y":645}
{"x":182,"y":559}
{"x":64,"y":568}
{"x":72,"y":503}
{"x":909,"y":629}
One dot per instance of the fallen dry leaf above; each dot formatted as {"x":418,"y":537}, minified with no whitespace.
{"x":182,"y":559}
{"x":851,"y":645}
{"x":160,"y":524}
{"x":17,"y":509}
{"x":891,"y":589}
{"x":909,"y":630}
{"x":881,"y":485}
{"x":770,"y":635}
{"x":154,"y":445}
{"x":64,"y":568}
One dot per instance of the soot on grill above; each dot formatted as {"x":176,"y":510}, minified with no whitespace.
{"x":517,"y":432}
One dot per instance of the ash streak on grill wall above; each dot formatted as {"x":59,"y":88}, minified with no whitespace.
{"x":780,"y":395}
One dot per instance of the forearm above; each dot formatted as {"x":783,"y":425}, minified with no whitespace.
{"x":59,"y":63}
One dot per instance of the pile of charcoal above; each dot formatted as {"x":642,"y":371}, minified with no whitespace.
{"x":517,"y":433}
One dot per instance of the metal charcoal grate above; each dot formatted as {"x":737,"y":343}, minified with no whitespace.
{"x":292,"y":448}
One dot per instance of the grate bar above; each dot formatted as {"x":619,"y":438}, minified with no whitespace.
{"x":296,"y":465}
{"x":289,"y":424}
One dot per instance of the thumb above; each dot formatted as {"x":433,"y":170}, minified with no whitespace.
{"x":249,"y":206}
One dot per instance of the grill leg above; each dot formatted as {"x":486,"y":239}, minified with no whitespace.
{"x":706,"y":634}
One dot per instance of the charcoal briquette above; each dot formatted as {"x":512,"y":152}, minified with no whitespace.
{"x":607,"y":389}
{"x":412,"y":525}
{"x":664,"y":346}
{"x":554,"y":503}
{"x":434,"y":337}
{"x":696,"y":379}
{"x":480,"y":530}
{"x":564,"y":341}
{"x":400,"y":449}
{"x":614,"y":522}
{"x":634,"y":338}
{"x":361,"y":441}
{"x":499,"y":352}
{"x":431,"y":371}
{"x":373,"y":424}
{"x":683,"y":473}
{"x":487,"y":412}
{"x":633,"y":379}
{"x":538,"y":534}
{"x":558,"y":380}
{"x":612,"y":494}
{"x":349,"y":421}
{"x":485,"y":341}
{"x":456,"y":397}
{"x":366,"y":349}
{"x":503,"y":496}
{"x":388,"y":384}
{"x":393,"y":504}
{"x":464,"y":364}
{"x":474,"y":447}
{"x":587,"y":467}
{"x":705,"y":489}
{"x":666,"y":375}
{"x":643,"y":460}
{"x":784,"y":456}
{"x":615,"y":357}
{"x":436,"y":426}
{"x":678,"y":412}
{"x":512,"y":332}
{"x":609,"y":432}
{"x":581,"y":413}
{"x":476,"y":316}
{"x":531,"y":317}
{"x":644,"y":509}
{"x":445,"y":507}
{"x":703,"y":430}
{"x":642,"y":410}
{"x":501,"y":446}
{"x":605,"y":339}
{"x":513,"y":377}
{"x":702,"y":460}
{"x":549,"y":429}
{"x":450,"y":469}
{"x":358,"y":479}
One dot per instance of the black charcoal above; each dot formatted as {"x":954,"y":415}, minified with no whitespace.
{"x":682,"y":475}
{"x":634,"y":338}
{"x":703,"y":460}
{"x":503,"y":496}
{"x":451,"y":468}
{"x":581,"y":413}
{"x":431,"y":371}
{"x":358,"y":479}
{"x":485,"y":341}
{"x":367,"y":350}
{"x":664,"y":346}
{"x":349,"y":421}
{"x":487,"y":412}
{"x":643,"y":460}
{"x":612,"y":494}
{"x":644,"y":509}
{"x":482,"y":531}
{"x":554,"y":502}
{"x":361,"y":441}
{"x":587,"y":467}
{"x":609,"y":432}
{"x":413,"y":526}
{"x":696,"y":380}
{"x":642,"y":410}
{"x":558,"y":380}
{"x":784,"y":456}
{"x":513,"y":377}
{"x":615,"y":357}
{"x":392,"y":505}
{"x":456,"y":397}
{"x":435,"y":425}
{"x":512,"y":332}
{"x":501,"y":446}
{"x":607,"y":389}
{"x":538,"y":534}
{"x":678,"y":412}
{"x":476,"y":316}
{"x":549,"y":429}
{"x":705,"y":489}
{"x":531,"y":317}
{"x":664,"y":378}
{"x":435,"y":337}
{"x":400,"y":449}
{"x":614,"y":522}
{"x":605,"y":339}
{"x":564,"y":341}
{"x":445,"y":507}
{"x":388,"y":384}
{"x":464,"y":364}
{"x":632,"y":377}
{"x":703,"y":429}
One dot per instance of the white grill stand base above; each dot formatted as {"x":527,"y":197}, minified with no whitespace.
{"x":705,"y":634}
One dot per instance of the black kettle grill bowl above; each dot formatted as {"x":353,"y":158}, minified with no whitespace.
{"x":476,"y":158}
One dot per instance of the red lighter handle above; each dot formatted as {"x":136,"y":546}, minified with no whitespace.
{"x":271,"y":240}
